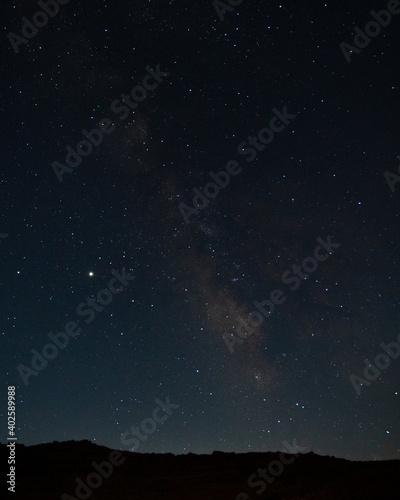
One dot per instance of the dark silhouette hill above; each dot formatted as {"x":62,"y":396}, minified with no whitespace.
{"x":49,"y":471}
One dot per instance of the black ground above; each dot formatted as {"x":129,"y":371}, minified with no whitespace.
{"x":50,"y":471}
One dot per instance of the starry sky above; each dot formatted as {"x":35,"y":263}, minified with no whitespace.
{"x":216,"y":81}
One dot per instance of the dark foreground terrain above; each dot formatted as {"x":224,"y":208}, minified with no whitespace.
{"x":51,"y":471}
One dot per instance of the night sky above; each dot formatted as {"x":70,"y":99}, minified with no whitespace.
{"x":309,"y":131}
